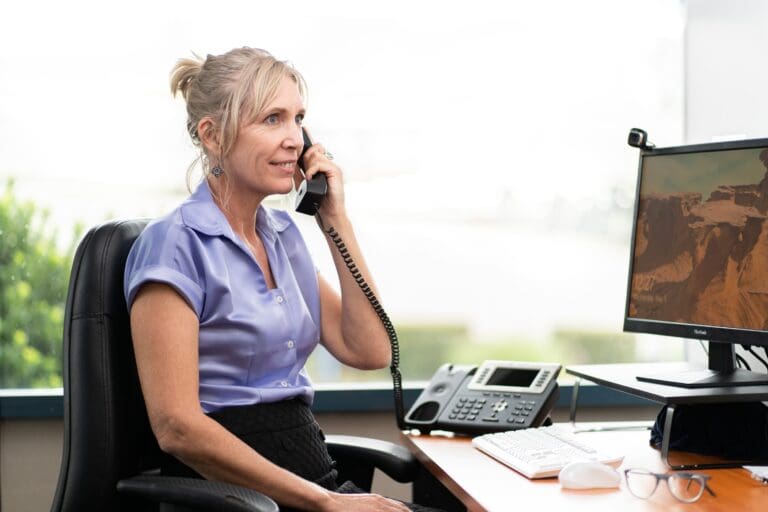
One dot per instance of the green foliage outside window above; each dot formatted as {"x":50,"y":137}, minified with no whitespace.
{"x":34,"y":273}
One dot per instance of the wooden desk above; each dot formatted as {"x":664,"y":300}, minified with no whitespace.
{"x":483,"y":484}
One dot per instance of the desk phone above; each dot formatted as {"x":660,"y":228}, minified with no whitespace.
{"x":496,"y":396}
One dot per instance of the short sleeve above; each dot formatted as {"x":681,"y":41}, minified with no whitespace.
{"x":166,"y":252}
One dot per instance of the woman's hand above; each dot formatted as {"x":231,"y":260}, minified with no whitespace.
{"x":317,"y":159}
{"x":362,"y":503}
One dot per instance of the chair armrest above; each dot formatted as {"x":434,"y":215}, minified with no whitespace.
{"x":196,"y":494}
{"x":393,"y":459}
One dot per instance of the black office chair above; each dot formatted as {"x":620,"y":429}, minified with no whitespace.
{"x":110,"y":455}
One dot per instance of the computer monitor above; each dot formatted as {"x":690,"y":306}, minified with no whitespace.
{"x":699,"y":254}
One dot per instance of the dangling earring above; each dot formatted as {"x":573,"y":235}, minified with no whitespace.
{"x":217,"y":171}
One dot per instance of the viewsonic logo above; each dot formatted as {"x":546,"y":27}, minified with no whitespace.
{"x":700,"y":332}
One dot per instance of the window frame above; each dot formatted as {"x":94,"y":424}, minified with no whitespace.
{"x":17,"y":404}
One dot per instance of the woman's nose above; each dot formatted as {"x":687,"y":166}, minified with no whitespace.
{"x":294,"y":138}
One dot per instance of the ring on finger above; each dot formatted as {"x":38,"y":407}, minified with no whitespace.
{"x":328,"y":155}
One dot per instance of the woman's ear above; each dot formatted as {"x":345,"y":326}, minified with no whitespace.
{"x":208,"y":134}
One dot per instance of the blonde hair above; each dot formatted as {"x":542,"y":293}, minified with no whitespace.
{"x":232,"y":89}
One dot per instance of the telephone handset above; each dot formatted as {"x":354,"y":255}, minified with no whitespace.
{"x":311,"y":192}
{"x":496,"y":396}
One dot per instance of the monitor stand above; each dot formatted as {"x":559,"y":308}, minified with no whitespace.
{"x":722,"y":372}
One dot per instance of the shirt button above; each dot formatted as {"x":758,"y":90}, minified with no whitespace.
{"x":284,"y":383}
{"x":279,"y":299}
{"x":290,"y":343}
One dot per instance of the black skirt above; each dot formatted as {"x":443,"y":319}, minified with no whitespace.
{"x":287,"y":434}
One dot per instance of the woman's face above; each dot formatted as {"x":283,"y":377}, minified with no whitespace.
{"x":263,"y":158}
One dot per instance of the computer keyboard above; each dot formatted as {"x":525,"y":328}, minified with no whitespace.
{"x":539,"y":452}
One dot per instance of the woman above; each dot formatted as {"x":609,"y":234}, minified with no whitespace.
{"x":226,"y":304}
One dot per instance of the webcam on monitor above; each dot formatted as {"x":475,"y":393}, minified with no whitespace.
{"x":639,"y":139}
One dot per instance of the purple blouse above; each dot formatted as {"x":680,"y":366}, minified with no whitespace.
{"x":254,"y":341}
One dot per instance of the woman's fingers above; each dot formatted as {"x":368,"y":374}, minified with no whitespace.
{"x":317,"y":159}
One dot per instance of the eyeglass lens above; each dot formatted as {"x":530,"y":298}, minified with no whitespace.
{"x":686,"y":488}
{"x":641,"y":483}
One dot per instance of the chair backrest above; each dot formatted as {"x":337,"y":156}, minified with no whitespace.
{"x":107,"y":435}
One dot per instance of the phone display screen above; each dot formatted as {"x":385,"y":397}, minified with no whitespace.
{"x":518,"y":377}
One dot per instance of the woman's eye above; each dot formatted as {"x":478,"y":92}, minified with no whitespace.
{"x":272,"y":119}
{"x":300,"y":119}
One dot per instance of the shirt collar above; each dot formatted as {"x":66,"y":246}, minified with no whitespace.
{"x":202,"y":214}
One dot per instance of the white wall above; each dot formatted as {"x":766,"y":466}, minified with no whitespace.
{"x":30,"y":456}
{"x":726,"y":76}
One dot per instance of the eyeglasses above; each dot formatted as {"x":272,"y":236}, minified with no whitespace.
{"x":685,"y":486}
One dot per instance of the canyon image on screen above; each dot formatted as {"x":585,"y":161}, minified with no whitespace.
{"x":701,"y":239}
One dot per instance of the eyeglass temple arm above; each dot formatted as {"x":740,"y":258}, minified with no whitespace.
{"x":707,"y":488}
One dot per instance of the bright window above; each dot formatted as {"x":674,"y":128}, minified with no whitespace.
{"x":484,"y":146}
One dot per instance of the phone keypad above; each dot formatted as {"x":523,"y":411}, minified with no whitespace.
{"x":467,"y":408}
{"x":491,"y":407}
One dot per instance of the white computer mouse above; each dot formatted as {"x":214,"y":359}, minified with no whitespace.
{"x":588,"y":475}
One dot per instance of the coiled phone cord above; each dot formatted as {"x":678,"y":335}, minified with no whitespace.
{"x":394,"y":367}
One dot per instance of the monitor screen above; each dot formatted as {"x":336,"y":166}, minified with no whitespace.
{"x":699,"y":255}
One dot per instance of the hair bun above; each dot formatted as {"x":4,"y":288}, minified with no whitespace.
{"x":183,"y":74}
